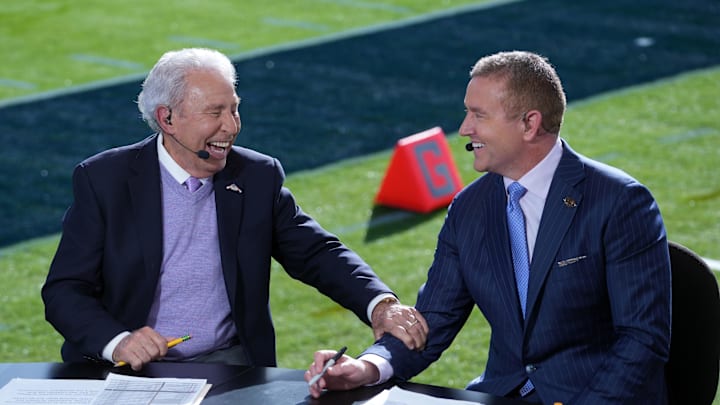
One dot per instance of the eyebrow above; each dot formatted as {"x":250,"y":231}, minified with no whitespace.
{"x":220,"y":106}
{"x":476,"y":110}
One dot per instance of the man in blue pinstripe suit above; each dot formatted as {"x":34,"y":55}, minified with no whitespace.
{"x":596,"y":325}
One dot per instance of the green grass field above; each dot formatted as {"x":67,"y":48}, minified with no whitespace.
{"x":678,"y":170}
{"x":665,"y":134}
{"x":56,"y":44}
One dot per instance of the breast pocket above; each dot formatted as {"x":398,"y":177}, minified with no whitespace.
{"x":575,"y":288}
{"x":582,"y":268}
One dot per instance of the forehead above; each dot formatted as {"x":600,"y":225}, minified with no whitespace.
{"x":485,"y":92}
{"x":206,"y":88}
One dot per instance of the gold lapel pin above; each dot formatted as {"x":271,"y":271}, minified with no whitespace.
{"x":569,"y":202}
{"x":235,"y":188}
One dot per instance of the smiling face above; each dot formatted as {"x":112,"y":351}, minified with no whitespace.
{"x":497,"y":137}
{"x":206,"y":119}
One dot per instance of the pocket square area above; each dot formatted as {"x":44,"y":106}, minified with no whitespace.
{"x":572,"y":260}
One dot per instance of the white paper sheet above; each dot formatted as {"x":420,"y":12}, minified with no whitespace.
{"x":28,"y":391}
{"x":116,"y":389}
{"x":399,"y":396}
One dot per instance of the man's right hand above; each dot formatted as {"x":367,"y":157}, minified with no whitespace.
{"x":404,"y":322}
{"x":346,"y":374}
{"x":140,"y":347}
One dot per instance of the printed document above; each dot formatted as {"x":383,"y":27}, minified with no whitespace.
{"x":116,"y":389}
{"x":399,"y":396}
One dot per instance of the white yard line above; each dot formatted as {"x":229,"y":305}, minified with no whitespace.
{"x":713,"y":264}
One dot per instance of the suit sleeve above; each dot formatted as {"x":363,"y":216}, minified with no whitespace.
{"x":638,"y":283}
{"x":316,"y":257}
{"x":74,"y":286}
{"x":443,"y":300}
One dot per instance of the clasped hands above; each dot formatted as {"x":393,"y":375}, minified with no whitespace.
{"x":403,"y":322}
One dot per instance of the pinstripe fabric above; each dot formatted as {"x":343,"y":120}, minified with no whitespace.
{"x":597,"y":322}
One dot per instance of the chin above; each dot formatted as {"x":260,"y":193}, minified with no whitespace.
{"x":480,"y":167}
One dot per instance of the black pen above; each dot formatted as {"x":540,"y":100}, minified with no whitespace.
{"x":327,"y":365}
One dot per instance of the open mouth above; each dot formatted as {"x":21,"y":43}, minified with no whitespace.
{"x":218,"y":146}
{"x":218,"y":149}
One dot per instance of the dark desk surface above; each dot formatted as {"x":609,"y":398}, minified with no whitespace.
{"x":236,"y":384}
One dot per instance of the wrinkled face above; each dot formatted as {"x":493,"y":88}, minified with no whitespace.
{"x":497,"y":138}
{"x":207,"y":119}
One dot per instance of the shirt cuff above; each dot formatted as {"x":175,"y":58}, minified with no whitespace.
{"x":383,"y":366}
{"x":110,"y":347}
{"x":375,"y":301}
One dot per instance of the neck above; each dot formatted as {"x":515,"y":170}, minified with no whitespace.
{"x":534,"y":153}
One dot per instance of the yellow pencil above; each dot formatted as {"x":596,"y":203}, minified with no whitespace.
{"x":170,"y":344}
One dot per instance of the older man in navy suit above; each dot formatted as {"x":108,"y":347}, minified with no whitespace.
{"x":580,"y":307}
{"x":175,"y":235}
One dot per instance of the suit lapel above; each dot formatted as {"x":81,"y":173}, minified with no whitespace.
{"x":229,"y":200}
{"x":499,"y":247}
{"x":560,"y":208}
{"x":146,"y":200}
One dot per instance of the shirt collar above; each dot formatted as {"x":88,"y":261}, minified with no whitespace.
{"x":177,"y":172}
{"x":537,"y":180}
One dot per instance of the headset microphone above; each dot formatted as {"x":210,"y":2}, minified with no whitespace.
{"x":202,"y":154}
{"x":469,"y":147}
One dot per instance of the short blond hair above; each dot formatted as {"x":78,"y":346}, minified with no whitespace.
{"x":531,"y":83}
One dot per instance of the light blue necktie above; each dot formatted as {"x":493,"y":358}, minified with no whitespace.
{"x":519,"y":248}
{"x":518,"y":241}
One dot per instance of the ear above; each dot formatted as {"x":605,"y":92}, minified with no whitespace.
{"x":532,"y":121}
{"x":163,"y":116}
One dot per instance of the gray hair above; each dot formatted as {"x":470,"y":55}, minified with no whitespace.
{"x":166,"y":84}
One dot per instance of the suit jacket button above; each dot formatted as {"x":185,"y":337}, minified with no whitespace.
{"x":530,"y":368}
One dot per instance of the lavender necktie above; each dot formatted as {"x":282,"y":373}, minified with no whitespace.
{"x":192,"y":184}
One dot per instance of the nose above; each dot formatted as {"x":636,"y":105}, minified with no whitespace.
{"x":231,"y":122}
{"x":465,"y":127}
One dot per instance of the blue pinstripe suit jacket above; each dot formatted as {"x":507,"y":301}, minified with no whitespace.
{"x":597,"y":329}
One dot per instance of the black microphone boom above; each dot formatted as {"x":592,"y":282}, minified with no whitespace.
{"x":202,"y":154}
{"x":469,"y":147}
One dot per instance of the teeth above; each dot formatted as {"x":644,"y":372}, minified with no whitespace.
{"x":219,"y":144}
{"x":478,"y":145}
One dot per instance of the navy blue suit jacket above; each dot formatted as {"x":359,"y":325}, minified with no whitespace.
{"x":597,"y":329}
{"x":103,"y":278}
